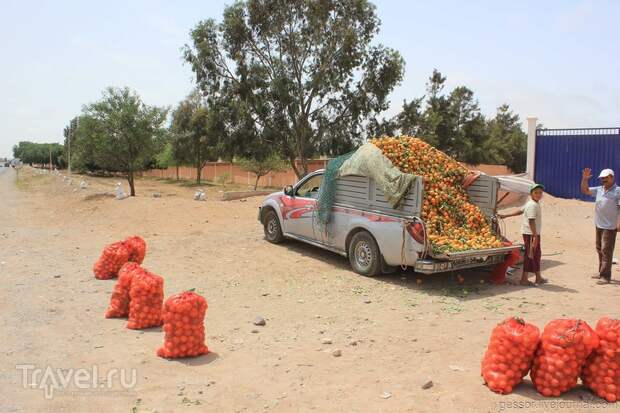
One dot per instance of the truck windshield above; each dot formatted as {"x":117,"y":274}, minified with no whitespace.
{"x":310,"y":188}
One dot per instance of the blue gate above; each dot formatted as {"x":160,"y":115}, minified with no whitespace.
{"x":561,"y":155}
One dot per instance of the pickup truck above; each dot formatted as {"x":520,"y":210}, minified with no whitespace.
{"x":375,"y":237}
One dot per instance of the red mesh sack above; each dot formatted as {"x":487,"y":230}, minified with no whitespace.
{"x":565,"y":345}
{"x":119,"y":301}
{"x":602,"y":370}
{"x":111,"y":260}
{"x":184,"y":326}
{"x":498,"y":276}
{"x":137,"y":248}
{"x":509,"y":355}
{"x":146,"y":296}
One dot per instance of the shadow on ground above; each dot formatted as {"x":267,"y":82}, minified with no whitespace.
{"x":465,"y":285}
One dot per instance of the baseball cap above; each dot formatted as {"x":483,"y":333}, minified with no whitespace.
{"x":536,"y":186}
{"x":606,"y":172}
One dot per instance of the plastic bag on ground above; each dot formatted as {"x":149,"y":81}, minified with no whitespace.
{"x":184,"y":329}
{"x":601,"y":373}
{"x":113,"y":257}
{"x":565,"y":345}
{"x":146,"y":297}
{"x":509,"y":355}
{"x":137,"y":248}
{"x":119,"y":301}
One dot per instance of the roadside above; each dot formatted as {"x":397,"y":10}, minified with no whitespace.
{"x":395,"y":333}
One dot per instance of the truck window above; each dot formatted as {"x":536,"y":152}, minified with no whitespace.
{"x":310,"y":188}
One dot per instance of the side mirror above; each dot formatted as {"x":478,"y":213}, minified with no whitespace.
{"x":288,"y":190}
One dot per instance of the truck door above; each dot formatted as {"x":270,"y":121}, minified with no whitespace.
{"x":299,"y":208}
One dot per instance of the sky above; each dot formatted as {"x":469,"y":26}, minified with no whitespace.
{"x":558,"y":60}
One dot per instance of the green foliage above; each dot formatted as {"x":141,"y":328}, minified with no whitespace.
{"x":190,"y":131}
{"x":261,"y":167}
{"x":70,"y":134}
{"x":119,"y":133}
{"x":453,"y":123}
{"x":300,"y":76}
{"x":39,"y":153}
{"x":165,"y":158}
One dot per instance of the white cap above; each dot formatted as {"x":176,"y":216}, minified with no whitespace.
{"x":606,"y":172}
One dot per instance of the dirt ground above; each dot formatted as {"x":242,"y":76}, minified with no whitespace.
{"x":395,"y":333}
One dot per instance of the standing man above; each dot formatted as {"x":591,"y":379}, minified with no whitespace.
{"x":605,"y":217}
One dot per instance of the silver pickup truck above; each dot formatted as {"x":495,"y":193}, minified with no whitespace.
{"x":365,"y":228}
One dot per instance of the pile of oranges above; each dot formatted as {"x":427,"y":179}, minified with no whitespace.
{"x":453,"y":223}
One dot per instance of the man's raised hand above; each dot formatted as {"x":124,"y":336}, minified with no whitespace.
{"x":586,"y":174}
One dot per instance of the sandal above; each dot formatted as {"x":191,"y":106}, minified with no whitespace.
{"x":541,"y":281}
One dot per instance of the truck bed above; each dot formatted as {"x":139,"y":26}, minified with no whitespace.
{"x":362,"y":193}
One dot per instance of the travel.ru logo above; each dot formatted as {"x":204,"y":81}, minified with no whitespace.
{"x":50,"y":379}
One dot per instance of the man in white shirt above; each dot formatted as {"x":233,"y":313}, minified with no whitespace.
{"x":605,"y":218}
{"x":530,"y":228}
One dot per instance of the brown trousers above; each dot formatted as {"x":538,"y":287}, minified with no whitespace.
{"x":605,"y":243}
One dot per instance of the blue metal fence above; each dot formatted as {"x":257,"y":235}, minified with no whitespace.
{"x":561,"y":155}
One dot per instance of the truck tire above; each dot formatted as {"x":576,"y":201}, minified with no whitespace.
{"x":364,"y":254}
{"x":272,"y":228}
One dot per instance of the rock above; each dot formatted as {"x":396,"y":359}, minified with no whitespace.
{"x":337,"y":353}
{"x":367,"y":301}
{"x":259,"y":321}
{"x":156,"y":195}
{"x":353,"y":343}
{"x":428,"y":385}
{"x":254,"y":331}
{"x":456,"y":368}
{"x":326,"y":341}
{"x":386,"y":395}
{"x":300,"y":301}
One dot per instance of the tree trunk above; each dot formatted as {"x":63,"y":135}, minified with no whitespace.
{"x":298,"y":173}
{"x":256,"y":183}
{"x":132,"y":189}
{"x":198,"y":173}
{"x":177,"y":172}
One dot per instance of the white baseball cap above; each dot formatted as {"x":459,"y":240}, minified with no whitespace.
{"x":606,"y":172}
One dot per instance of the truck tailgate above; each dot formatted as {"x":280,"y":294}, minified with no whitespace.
{"x":466,"y":259}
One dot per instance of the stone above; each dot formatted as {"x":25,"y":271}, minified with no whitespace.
{"x":259,"y":321}
{"x":337,"y":353}
{"x":428,"y":385}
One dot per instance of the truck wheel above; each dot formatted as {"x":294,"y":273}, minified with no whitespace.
{"x":364,"y":254}
{"x":272,"y":228}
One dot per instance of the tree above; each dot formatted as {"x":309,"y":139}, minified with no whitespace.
{"x":190,"y":128}
{"x":125,"y":133}
{"x":69,"y":133}
{"x":452,"y":122}
{"x":507,"y":141}
{"x":262,"y":167}
{"x":303,"y":73}
{"x":39,"y":153}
